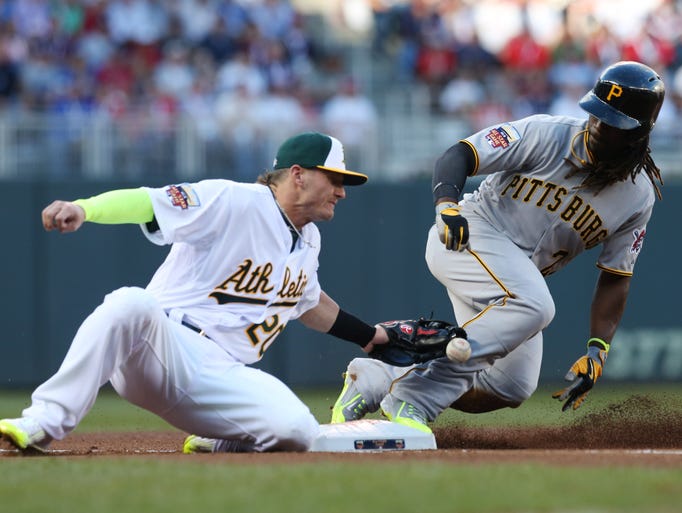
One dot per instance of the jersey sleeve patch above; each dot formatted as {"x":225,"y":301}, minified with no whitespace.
{"x":638,"y":242}
{"x":502,"y":136}
{"x":183,"y":196}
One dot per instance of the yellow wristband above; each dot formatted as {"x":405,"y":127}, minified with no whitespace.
{"x":601,"y":342}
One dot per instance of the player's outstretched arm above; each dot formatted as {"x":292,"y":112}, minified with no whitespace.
{"x":63,"y":216}
{"x":328,"y":317}
{"x":322,"y":317}
{"x":113,"y":207}
{"x":608,"y":304}
{"x":606,"y":312}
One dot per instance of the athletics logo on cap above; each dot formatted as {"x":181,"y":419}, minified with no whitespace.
{"x":313,"y":150}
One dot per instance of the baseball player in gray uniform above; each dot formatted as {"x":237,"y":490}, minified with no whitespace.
{"x":243,"y":263}
{"x":555,"y":186}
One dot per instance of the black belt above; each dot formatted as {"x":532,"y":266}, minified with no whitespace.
{"x":195,"y":329}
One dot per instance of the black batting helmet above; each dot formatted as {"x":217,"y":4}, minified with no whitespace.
{"x":627,"y":95}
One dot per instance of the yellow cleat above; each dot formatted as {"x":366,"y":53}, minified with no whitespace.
{"x":350,"y":405}
{"x":194,"y":444}
{"x":24,"y":433}
{"x":402,"y":412}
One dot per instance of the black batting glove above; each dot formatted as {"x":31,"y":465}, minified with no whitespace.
{"x":583,"y":375}
{"x":453,"y":229}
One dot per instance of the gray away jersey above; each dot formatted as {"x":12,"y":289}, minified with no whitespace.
{"x":528,"y":196}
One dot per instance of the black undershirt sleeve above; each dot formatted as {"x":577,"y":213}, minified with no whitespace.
{"x":451,"y":171}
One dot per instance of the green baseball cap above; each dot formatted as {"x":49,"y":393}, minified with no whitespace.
{"x":313,"y":150}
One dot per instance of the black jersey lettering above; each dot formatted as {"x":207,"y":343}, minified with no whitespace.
{"x":577,"y":211}
{"x":518,"y":190}
{"x":250,"y":279}
{"x":534,"y":184}
{"x":549,"y":187}
{"x":512,"y":183}
{"x":585,"y":215}
{"x":572,"y":207}
{"x":559,"y":193}
{"x":591,"y":228}
{"x":292,"y":288}
{"x":251,"y":284}
{"x":594,"y":241}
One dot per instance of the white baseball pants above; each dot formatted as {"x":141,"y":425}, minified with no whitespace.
{"x":170,"y":370}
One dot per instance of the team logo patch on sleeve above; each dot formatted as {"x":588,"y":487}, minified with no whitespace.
{"x":502,"y":136}
{"x":639,"y":240}
{"x":182,"y":196}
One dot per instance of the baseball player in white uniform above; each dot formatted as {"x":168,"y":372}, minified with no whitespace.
{"x":555,"y":186}
{"x":243,"y":263}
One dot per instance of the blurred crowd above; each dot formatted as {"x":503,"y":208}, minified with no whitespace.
{"x":490,"y":60}
{"x":238,"y":68}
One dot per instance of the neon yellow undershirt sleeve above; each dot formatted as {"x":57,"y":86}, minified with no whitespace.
{"x":122,"y":206}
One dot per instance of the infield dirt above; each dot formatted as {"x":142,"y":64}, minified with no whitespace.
{"x":638,"y":431}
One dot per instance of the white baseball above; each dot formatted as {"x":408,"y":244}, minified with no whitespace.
{"x":458,"y":350}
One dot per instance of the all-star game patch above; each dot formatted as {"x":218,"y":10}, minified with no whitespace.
{"x":182,"y":196}
{"x":502,"y":136}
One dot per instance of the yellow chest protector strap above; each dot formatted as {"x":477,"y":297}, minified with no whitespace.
{"x":123,"y":206}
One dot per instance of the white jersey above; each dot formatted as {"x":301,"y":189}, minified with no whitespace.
{"x":240,"y":290}
{"x":529,"y":197}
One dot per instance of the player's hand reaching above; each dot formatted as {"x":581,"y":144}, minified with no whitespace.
{"x":583,"y":375}
{"x":63,"y":216}
{"x":380,"y":337}
{"x":453,"y":229}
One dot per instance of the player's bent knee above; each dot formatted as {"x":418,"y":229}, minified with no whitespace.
{"x":364,"y":366}
{"x":519,"y":395}
{"x":482,"y":401}
{"x":294,"y":433}
{"x":542,"y":309}
{"x":519,"y":391}
{"x":130,"y":303}
{"x":373,"y":379}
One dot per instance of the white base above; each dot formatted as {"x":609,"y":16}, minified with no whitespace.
{"x":371,"y":435}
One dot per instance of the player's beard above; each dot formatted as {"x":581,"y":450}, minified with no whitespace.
{"x":602,"y":173}
{"x":612,"y":147}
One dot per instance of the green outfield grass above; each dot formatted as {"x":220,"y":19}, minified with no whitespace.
{"x":170,"y":485}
